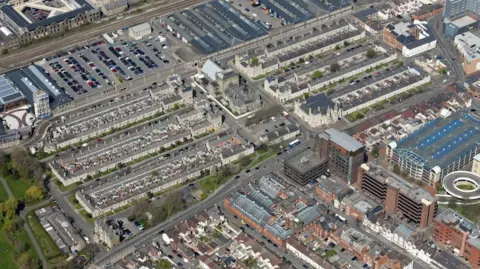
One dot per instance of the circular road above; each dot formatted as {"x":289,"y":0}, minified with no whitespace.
{"x":454,"y":179}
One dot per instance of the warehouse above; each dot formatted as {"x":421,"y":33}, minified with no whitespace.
{"x":213,"y":26}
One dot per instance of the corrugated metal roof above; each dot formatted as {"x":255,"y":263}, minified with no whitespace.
{"x":342,"y":139}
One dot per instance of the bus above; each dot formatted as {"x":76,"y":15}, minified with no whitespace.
{"x":294,"y":143}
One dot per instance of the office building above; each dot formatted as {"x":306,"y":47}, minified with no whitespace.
{"x":456,"y":8}
{"x":439,"y":147}
{"x":304,"y":167}
{"x":398,"y":195}
{"x":468,"y":46}
{"x":41,"y":104}
{"x":140,"y":31}
{"x":343,"y":153}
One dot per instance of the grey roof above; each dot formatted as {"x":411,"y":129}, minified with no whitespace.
{"x":318,"y":104}
{"x":241,"y":96}
{"x":211,"y":69}
{"x":304,"y":161}
{"x":366,"y":14}
{"x":8,"y":92}
{"x":308,"y":215}
{"x":270,"y":187}
{"x":141,"y":27}
{"x":21,"y":22}
{"x":251,"y":209}
{"x":342,"y":139}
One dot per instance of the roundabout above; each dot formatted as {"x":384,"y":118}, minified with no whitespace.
{"x":462,"y":185}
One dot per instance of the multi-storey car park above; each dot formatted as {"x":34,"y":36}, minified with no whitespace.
{"x":443,"y":145}
{"x":160,"y":174}
{"x":123,"y":147}
{"x":113,"y":114}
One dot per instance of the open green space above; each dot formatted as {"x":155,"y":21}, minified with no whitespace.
{"x":260,"y":159}
{"x":19,"y":187}
{"x":86,"y":215}
{"x":72,"y":199}
{"x":209,"y":184}
{"x":3,"y":193}
{"x":465,"y":187}
{"x":6,"y":262}
{"x":45,"y":242}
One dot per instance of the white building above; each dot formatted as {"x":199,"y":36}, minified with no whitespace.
{"x":139,"y":31}
{"x":41,"y":104}
{"x":318,"y":110}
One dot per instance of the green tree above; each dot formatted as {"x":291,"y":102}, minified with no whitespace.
{"x":317,"y":74}
{"x":9,"y":226}
{"x":9,"y":208}
{"x":245,"y":161}
{"x":306,"y":95}
{"x":254,"y":61}
{"x":371,"y":53}
{"x":176,"y":106}
{"x":334,"y":67}
{"x":301,"y":60}
{"x":346,"y":43}
{"x":34,"y":193}
{"x":375,"y":151}
{"x":396,"y":169}
{"x":26,"y":261}
{"x":163,"y":264}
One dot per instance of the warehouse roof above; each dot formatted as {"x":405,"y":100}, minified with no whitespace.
{"x":8,"y":92}
{"x":342,"y":139}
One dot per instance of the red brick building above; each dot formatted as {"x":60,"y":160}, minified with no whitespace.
{"x":427,"y":11}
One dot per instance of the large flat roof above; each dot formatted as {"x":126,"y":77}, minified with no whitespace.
{"x":342,"y":139}
{"x":8,"y":92}
{"x":463,"y":21}
{"x":305,"y":161}
{"x":443,"y":140}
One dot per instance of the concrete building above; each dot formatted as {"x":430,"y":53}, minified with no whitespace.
{"x":343,"y":154}
{"x":369,"y":20}
{"x":113,"y":7}
{"x":441,"y":146}
{"x":398,"y":195}
{"x":468,"y":46}
{"x":458,"y":25}
{"x":41,"y":104}
{"x":331,"y":190}
{"x":304,"y":167}
{"x":410,"y":38}
{"x":140,"y":31}
{"x":10,"y":96}
{"x":318,"y":110}
{"x":456,"y":8}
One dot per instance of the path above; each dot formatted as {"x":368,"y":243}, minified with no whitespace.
{"x":25,"y":225}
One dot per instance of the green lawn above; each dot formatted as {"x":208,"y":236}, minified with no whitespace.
{"x":75,"y":205}
{"x":46,"y":243}
{"x":3,"y":194}
{"x":6,"y":262}
{"x":466,"y":187}
{"x":23,"y":237}
{"x":208,"y":184}
{"x":84,"y":213}
{"x":262,"y":158}
{"x":19,"y":187}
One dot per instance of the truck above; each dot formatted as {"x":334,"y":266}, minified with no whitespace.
{"x":166,"y":239}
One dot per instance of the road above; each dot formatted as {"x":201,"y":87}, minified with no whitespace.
{"x":23,"y":57}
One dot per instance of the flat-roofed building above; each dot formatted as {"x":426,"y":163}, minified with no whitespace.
{"x":344,"y":154}
{"x":441,"y":146}
{"x":468,"y":46}
{"x":397,"y":194}
{"x":10,"y":96}
{"x":304,"y":167}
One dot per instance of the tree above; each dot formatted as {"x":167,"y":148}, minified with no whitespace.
{"x":334,"y":67}
{"x":4,"y":51}
{"x":317,"y":74}
{"x":306,"y":95}
{"x":131,"y":218}
{"x":26,"y":261}
{"x":371,"y":53}
{"x":163,"y":264}
{"x":9,"y":226}
{"x":176,"y":106}
{"x":20,"y":247}
{"x":301,"y":60}
{"x":337,"y":47}
{"x":245,"y":161}
{"x":452,"y":203}
{"x":154,"y":173}
{"x":375,"y":151}
{"x":149,"y":195}
{"x":34,"y":193}
{"x":254,"y":61}
{"x":9,"y":208}
{"x":346,"y":43}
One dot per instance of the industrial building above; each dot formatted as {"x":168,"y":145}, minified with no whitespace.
{"x":468,"y":46}
{"x":399,"y":196}
{"x":461,"y":234}
{"x":443,"y":145}
{"x":410,"y":38}
{"x":10,"y":96}
{"x":343,"y":153}
{"x":26,"y":21}
{"x":213,"y":26}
